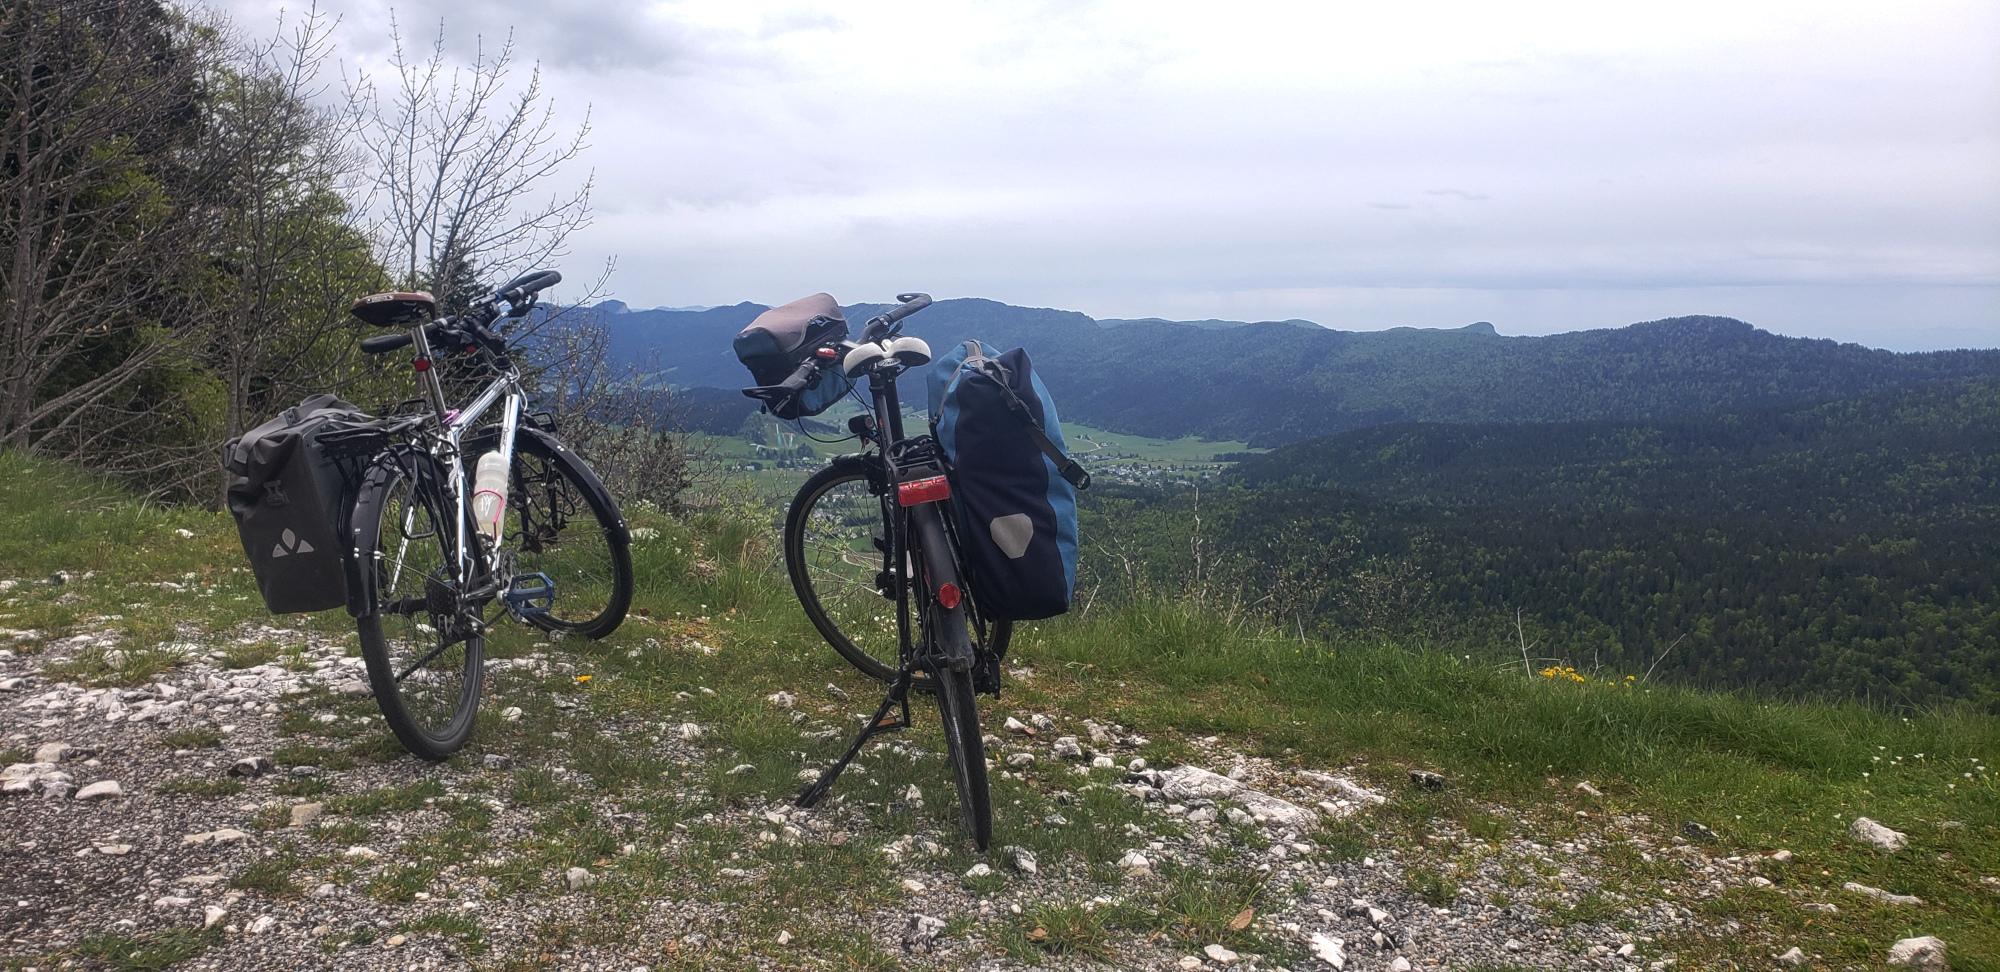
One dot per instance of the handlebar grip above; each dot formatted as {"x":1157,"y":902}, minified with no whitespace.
{"x":878,"y":326}
{"x":911,"y":303}
{"x":527,"y":285}
{"x":385,"y":343}
{"x":800,"y":375}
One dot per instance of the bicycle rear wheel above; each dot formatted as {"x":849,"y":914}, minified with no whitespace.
{"x":424,"y":656}
{"x":967,"y":752}
{"x":835,"y":551}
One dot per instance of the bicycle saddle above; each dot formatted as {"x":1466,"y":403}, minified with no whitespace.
{"x":395,"y":309}
{"x":910,"y":352}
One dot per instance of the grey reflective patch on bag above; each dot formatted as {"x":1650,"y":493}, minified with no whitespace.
{"x":1012,"y":534}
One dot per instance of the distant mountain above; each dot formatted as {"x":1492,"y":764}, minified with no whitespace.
{"x":1207,"y":325}
{"x":1276,"y":382}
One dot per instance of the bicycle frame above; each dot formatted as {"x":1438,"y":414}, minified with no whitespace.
{"x":449,"y":428}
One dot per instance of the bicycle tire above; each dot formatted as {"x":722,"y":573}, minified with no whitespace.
{"x":591,"y":567}
{"x":426,"y":683}
{"x":959,"y":709}
{"x":834,"y":539}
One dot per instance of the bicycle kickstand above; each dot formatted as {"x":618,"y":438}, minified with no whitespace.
{"x":899,"y":694}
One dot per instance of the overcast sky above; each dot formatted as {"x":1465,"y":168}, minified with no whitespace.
{"x":1819,"y":168}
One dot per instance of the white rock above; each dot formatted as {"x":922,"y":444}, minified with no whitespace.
{"x":51,"y":752}
{"x":1587,"y":790}
{"x":1185,"y":783}
{"x":1793,"y":958}
{"x":979,"y":870}
{"x":263,"y":924}
{"x":115,"y":850}
{"x":1399,"y":964}
{"x":361,"y":853}
{"x":1626,"y":950}
{"x":100,"y":790}
{"x":1066,"y":747}
{"x":304,"y":814}
{"x":1924,"y":954}
{"x":1024,"y":860}
{"x":1217,"y":953}
{"x":223,"y":836}
{"x":1021,"y":759}
{"x":1329,"y":950}
{"x":511,"y":713}
{"x":1190,"y":962}
{"x":912,"y":885}
{"x":690,"y":731}
{"x":579,"y":878}
{"x":212,"y":915}
{"x":784,"y":938}
{"x":1135,"y":863}
{"x":171,"y":901}
{"x":1875,"y":835}
{"x":783,"y":700}
{"x":1881,"y":895}
{"x":743,"y":769}
{"x":1780,"y":856}
{"x":1015,"y":725}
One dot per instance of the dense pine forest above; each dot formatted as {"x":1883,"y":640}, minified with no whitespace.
{"x":1841,"y":548}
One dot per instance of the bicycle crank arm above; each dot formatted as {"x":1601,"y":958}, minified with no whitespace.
{"x":884,"y":721}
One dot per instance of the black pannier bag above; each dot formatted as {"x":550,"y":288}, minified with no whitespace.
{"x":1011,"y":479}
{"x":774,"y":344}
{"x":291,"y":498}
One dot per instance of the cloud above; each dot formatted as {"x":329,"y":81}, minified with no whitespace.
{"x":1191,"y":160}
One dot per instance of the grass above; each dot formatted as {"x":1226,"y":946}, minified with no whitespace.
{"x":1763,"y":775}
{"x":216,"y":786}
{"x":156,"y":950}
{"x":193,"y":737}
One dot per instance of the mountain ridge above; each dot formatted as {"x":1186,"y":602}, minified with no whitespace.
{"x":1270,"y":383}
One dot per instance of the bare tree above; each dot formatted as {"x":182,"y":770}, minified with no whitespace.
{"x":99,"y":233}
{"x":293,"y":256}
{"x":620,"y":417}
{"x":457,"y":161}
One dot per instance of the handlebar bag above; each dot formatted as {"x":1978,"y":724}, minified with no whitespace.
{"x":1013,"y":483}
{"x":780,"y":338}
{"x":290,"y":500}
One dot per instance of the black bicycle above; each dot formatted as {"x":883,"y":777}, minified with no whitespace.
{"x":457,"y":525}
{"x":872,"y":550}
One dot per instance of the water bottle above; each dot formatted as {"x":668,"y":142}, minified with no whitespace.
{"x":489,"y":494}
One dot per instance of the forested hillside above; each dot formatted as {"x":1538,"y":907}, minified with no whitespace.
{"x":1278,"y":382}
{"x":1843,"y":548}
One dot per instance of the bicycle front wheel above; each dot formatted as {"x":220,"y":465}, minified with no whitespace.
{"x":423,"y":652}
{"x":562,"y":522}
{"x":967,"y":752}
{"x":836,"y":544}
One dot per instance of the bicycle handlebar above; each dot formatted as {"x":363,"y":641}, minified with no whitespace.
{"x":524,"y":286}
{"x":385,"y":343}
{"x":879,"y":326}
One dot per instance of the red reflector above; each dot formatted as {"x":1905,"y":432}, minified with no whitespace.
{"x":923,"y":491}
{"x":421,"y":364}
{"x":948,"y":596}
{"x":828,"y":352}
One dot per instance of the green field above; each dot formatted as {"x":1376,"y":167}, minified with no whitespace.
{"x":776,"y":465}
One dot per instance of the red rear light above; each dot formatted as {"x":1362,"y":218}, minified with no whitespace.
{"x":948,"y":596}
{"x":421,"y":364}
{"x":828,"y":352}
{"x":923,"y":491}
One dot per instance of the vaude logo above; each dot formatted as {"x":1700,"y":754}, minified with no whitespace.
{"x":290,"y":544}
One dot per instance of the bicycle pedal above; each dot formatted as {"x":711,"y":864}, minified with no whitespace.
{"x":530,"y":594}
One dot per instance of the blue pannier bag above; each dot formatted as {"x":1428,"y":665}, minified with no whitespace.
{"x":780,"y":338}
{"x":1012,"y":479}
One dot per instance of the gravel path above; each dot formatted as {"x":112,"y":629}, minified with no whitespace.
{"x":310,"y":856}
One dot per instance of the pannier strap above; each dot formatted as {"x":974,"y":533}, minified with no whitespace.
{"x":1076,"y":475}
